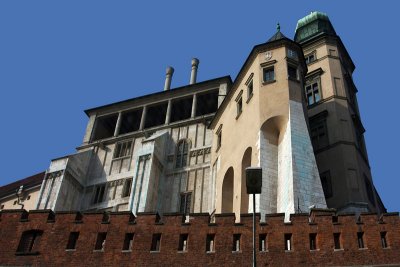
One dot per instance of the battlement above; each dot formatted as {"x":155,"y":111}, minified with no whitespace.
{"x":42,"y":237}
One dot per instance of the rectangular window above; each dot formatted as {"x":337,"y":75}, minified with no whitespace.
{"x":292,"y":72}
{"x":288,"y":242}
{"x":73,"y":238}
{"x":313,"y":241}
{"x":128,"y":241}
{"x":29,"y":241}
{"x":292,"y":54}
{"x":383,"y":240}
{"x":239,"y":106}
{"x":185,"y":203}
{"x":99,"y":193}
{"x":319,"y":133}
{"x":156,"y":242}
{"x":310,"y":58}
{"x":326,"y":184}
{"x":219,"y":139}
{"x":126,"y":192}
{"x":101,"y":241}
{"x":262,"y":242}
{"x":336,"y":240}
{"x":210,"y":243}
{"x":360,"y":239}
{"x":268,"y":74}
{"x":122,"y":149}
{"x":183,"y":242}
{"x":250,"y":90}
{"x":236,"y":242}
{"x":313,"y":94}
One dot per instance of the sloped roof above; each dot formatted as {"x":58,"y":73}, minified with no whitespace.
{"x":28,"y":182}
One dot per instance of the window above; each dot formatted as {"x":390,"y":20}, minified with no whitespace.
{"x":292,"y":54}
{"x":292,"y":72}
{"x":1,"y":207}
{"x":122,"y":149}
{"x":319,"y":133}
{"x":29,"y":242}
{"x":239,"y":106}
{"x":156,"y":242}
{"x":183,"y":242}
{"x":128,"y":241}
{"x":326,"y":184}
{"x":360,"y":239}
{"x":15,"y":202}
{"x":313,"y":241}
{"x":310,"y":58}
{"x":336,"y":240}
{"x":219,"y":137}
{"x":73,"y":238}
{"x":236,"y":243}
{"x":262,"y":242}
{"x":185,"y":203}
{"x":126,"y":192}
{"x":28,"y":197}
{"x":249,"y":89}
{"x":383,"y":240}
{"x":101,"y":241}
{"x":210,"y":243}
{"x":99,"y":193}
{"x":313,"y":94}
{"x":268,"y":74}
{"x":182,"y":154}
{"x":288,"y":242}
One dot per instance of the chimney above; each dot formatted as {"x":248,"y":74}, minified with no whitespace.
{"x":193,"y":74}
{"x":168,"y":77}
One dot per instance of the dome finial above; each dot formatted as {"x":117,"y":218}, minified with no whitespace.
{"x":278,"y":27}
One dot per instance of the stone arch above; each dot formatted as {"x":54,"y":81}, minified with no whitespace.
{"x":227,"y":191}
{"x":244,"y":199}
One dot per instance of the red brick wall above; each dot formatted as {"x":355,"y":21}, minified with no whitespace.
{"x":52,"y":243}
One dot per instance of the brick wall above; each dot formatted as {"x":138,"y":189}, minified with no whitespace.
{"x":56,"y":228}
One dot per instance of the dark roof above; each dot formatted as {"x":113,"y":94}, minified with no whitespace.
{"x":277,"y":36}
{"x":28,"y":182}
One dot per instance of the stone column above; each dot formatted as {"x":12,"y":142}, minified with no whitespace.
{"x":194,"y":105}
{"x":168,"y":116}
{"x":143,"y":119}
{"x":118,"y":125}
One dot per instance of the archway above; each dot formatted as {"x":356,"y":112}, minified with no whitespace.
{"x":227,"y":192}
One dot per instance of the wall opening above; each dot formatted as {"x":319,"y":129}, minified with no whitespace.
{"x":181,"y":109}
{"x":130,"y":121}
{"x":207,"y":103}
{"x":155,"y":115}
{"x":227,"y":192}
{"x":104,"y":127}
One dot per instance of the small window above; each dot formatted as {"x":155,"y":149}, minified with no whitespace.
{"x":239,"y":106}
{"x":1,"y":207}
{"x":236,"y":243}
{"x":182,"y":154}
{"x":336,"y":240}
{"x":156,"y":242}
{"x":183,"y":242}
{"x":326,"y":184}
{"x":126,"y":192}
{"x":185,"y":203}
{"x":29,"y":242}
{"x":122,"y":149}
{"x":319,"y":133}
{"x":250,"y":90}
{"x":268,"y":74}
{"x":99,"y":193}
{"x":292,"y":54}
{"x":383,"y":240}
{"x":128,"y":241}
{"x":313,"y":94}
{"x":292,"y":72}
{"x":332,"y":52}
{"x":28,"y":197}
{"x":262,"y":242}
{"x":101,"y":241}
{"x":210,"y":243}
{"x":313,"y":241}
{"x":219,"y":139}
{"x":73,"y":238}
{"x":310,"y":58}
{"x":288,"y":242}
{"x":360,"y":239}
{"x":15,"y":202}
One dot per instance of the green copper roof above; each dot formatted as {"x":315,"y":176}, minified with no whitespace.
{"x":312,"y":25}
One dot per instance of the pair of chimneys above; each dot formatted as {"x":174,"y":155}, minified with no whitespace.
{"x":170,"y":71}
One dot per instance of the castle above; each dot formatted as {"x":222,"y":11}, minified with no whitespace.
{"x":292,"y":110}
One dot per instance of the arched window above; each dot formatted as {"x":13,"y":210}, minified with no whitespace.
{"x":182,"y":154}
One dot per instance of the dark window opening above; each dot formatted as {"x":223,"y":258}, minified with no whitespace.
{"x":156,"y":242}
{"x":383,"y":240}
{"x":326,"y":182}
{"x":262,"y":242}
{"x":370,"y":193}
{"x":101,"y":241}
{"x":29,"y":242}
{"x":73,"y":238}
{"x":210,"y":243}
{"x":104,"y":127}
{"x":207,"y":103}
{"x":319,"y":133}
{"x":181,"y":109}
{"x":122,"y":149}
{"x":310,"y":58}
{"x":126,"y":192}
{"x":155,"y":115}
{"x":186,"y":199}
{"x":182,"y":154}
{"x":360,"y":239}
{"x":239,"y":106}
{"x":335,"y":219}
{"x":130,"y":121}
{"x":313,"y":94}
{"x":268,"y":74}
{"x":128,"y":241}
{"x":288,"y":242}
{"x":292,"y":72}
{"x":250,"y":89}
{"x":106,"y":217}
{"x":236,"y":242}
{"x":219,"y":140}
{"x":183,"y":242}
{"x":336,"y":240}
{"x":313,"y":241}
{"x":99,"y":193}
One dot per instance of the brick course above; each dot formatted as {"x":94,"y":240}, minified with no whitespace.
{"x":53,"y":242}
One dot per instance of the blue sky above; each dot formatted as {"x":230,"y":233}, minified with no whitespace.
{"x":58,"y":58}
